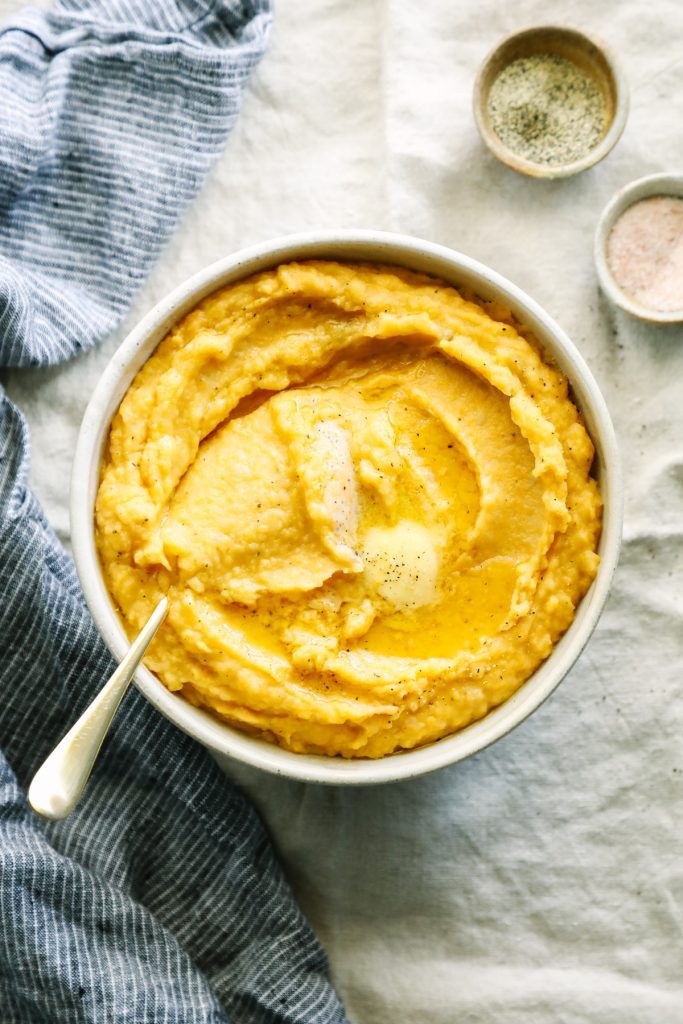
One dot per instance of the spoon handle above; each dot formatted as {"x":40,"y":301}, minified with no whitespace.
{"x":59,"y":782}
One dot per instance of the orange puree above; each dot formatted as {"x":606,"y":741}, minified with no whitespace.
{"x":368,"y":500}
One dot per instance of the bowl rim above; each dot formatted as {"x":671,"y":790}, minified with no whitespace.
{"x":374,"y":247}
{"x":650,"y":185}
{"x":518,"y":163}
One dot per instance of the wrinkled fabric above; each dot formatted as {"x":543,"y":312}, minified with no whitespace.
{"x":160,"y":898}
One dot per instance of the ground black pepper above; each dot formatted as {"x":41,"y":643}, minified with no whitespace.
{"x":547,"y":110}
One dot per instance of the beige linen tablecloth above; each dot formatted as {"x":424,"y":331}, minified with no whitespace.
{"x":541,"y":881}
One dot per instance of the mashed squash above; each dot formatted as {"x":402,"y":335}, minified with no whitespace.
{"x":367,"y":498}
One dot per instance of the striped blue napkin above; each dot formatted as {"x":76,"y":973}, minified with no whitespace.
{"x":160,"y":899}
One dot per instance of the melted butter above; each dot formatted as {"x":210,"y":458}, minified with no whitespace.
{"x":476,"y":607}
{"x":401,"y":564}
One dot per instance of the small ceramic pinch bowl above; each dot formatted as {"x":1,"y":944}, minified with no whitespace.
{"x":652,"y":185}
{"x":373,"y":247}
{"x":589,"y":54}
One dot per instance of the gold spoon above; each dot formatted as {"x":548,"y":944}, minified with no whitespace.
{"x":59,"y":782}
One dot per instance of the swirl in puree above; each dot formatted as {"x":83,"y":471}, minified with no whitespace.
{"x":367,"y":497}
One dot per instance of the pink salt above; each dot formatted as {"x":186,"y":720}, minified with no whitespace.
{"x":645,"y":253}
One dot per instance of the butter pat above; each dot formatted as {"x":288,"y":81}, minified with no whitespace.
{"x":401,"y":564}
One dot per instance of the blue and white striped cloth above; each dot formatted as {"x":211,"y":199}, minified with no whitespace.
{"x":160,"y":899}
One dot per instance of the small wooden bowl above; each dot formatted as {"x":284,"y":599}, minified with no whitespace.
{"x":586,"y":52}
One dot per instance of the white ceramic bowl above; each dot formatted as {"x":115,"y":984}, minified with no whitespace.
{"x":641,"y":188}
{"x":344,"y":245}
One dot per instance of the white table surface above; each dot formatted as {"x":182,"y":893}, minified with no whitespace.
{"x":541,"y":881}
